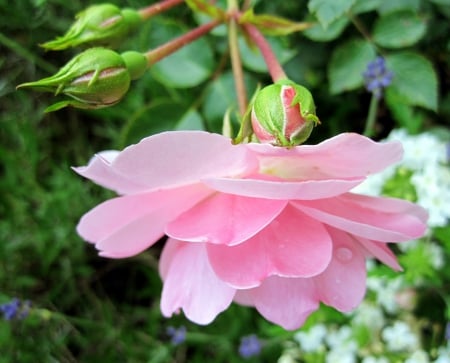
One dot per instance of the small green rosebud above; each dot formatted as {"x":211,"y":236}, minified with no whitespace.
{"x":283,"y":114}
{"x":98,"y":25}
{"x":95,"y":78}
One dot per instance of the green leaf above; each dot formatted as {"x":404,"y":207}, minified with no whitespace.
{"x":321,"y":34}
{"x":158,"y":116}
{"x":364,"y":6}
{"x":253,"y":60}
{"x":189,"y":66}
{"x":391,"y":6}
{"x":273,"y":25}
{"x":328,"y":10}
{"x":221,"y":97}
{"x":399,"y":29}
{"x":348,"y":62}
{"x":415,"y":79}
{"x":191,"y":120}
{"x":405,"y":115}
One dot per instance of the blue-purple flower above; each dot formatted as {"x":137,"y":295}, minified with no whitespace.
{"x":177,"y":335}
{"x":15,"y":309}
{"x":377,"y":76}
{"x":250,"y":346}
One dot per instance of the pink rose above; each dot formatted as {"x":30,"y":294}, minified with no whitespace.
{"x":265,"y":226}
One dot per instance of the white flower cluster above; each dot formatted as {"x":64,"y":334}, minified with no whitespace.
{"x":426,"y":156}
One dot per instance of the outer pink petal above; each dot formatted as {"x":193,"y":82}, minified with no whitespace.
{"x":127,"y":225}
{"x":286,"y":301}
{"x":347,"y":213}
{"x":100,"y":171}
{"x":343,"y":156}
{"x":225,"y":219}
{"x":343,"y":284}
{"x":283,"y":190}
{"x":190,"y":284}
{"x":177,"y":158}
{"x":293,"y":245}
{"x":381,"y":251}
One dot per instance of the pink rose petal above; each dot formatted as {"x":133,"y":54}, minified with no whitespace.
{"x":293,"y":245}
{"x":191,"y":285}
{"x":306,"y":190}
{"x":343,"y":284}
{"x":286,"y":301}
{"x":177,"y":158}
{"x":224,"y":219}
{"x":347,"y":213}
{"x":127,"y":225}
{"x":344,"y":156}
{"x":380,"y":251}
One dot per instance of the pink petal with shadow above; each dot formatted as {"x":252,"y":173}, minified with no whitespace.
{"x":380,"y":251}
{"x":191,"y":285}
{"x":343,"y":284}
{"x":347,"y":213}
{"x":127,"y":225}
{"x":282,"y":190}
{"x":293,"y":245}
{"x":177,"y":158}
{"x":347,"y":155}
{"x":286,"y":301}
{"x":225,"y":219}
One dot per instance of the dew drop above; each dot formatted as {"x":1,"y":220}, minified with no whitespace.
{"x":344,"y":254}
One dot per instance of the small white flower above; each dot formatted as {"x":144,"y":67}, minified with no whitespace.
{"x":400,"y":337}
{"x":372,"y":359}
{"x":312,"y":340}
{"x":370,"y":316}
{"x":419,"y":356}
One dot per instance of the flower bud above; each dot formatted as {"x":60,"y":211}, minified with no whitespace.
{"x":283,"y":114}
{"x":98,"y":25}
{"x":96,"y":78}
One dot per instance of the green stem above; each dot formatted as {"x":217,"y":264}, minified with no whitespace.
{"x":371,"y":116}
{"x":274,"y":67}
{"x":165,"y":50}
{"x":157,"y":8}
{"x":235,"y":57}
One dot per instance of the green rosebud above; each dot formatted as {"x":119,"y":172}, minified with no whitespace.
{"x":95,"y":78}
{"x":98,"y":25}
{"x":283,"y":114}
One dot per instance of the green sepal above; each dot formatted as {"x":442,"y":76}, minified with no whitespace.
{"x":245,"y":132}
{"x":98,"y":25}
{"x":203,"y":6}
{"x":273,"y":25}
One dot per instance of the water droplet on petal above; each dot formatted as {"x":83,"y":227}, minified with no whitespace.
{"x":344,"y":254}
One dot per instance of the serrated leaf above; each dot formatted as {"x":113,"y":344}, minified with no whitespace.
{"x":253,"y":60}
{"x":332,"y":31}
{"x":271,"y":24}
{"x":348,"y":62}
{"x":189,"y":66}
{"x":328,"y":10}
{"x":415,"y":79}
{"x":399,"y":29}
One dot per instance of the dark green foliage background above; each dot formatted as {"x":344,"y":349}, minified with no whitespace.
{"x":91,"y":309}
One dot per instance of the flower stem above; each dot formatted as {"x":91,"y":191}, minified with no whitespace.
{"x":168,"y":48}
{"x":274,"y":67}
{"x":371,"y":116}
{"x":235,"y":58}
{"x":157,"y":8}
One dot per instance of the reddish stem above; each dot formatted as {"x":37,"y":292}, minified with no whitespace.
{"x":168,"y":48}
{"x":274,"y":67}
{"x":157,"y":8}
